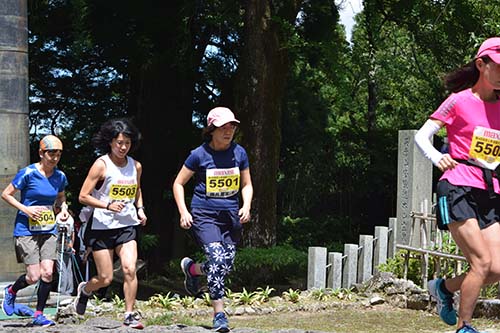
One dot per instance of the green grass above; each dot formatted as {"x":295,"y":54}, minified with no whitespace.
{"x":350,"y":319}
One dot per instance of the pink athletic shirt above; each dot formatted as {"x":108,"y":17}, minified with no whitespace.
{"x":462,"y":112}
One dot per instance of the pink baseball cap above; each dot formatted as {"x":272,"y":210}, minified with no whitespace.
{"x":220,"y":116}
{"x":491,"y":48}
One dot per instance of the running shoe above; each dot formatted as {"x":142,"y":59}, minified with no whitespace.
{"x":9,"y":301}
{"x":41,"y":320}
{"x":190,"y":281}
{"x":467,"y":328}
{"x":133,"y":320}
{"x":444,"y":302}
{"x":80,"y":303}
{"x":220,"y":323}
{"x":23,"y":310}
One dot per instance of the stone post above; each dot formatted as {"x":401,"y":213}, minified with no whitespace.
{"x":334,"y":278}
{"x":365,"y":258}
{"x":414,"y":186}
{"x":350,"y":273}
{"x":380,"y":248}
{"x":14,"y":136}
{"x":316,"y":267}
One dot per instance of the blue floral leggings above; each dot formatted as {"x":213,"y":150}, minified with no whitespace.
{"x":220,"y":260}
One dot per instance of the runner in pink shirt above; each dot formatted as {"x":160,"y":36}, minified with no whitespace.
{"x":468,"y":191}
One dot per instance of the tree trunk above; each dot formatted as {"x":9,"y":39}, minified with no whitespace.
{"x":261,"y":80}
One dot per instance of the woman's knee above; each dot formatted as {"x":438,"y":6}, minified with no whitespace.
{"x":105,"y":279}
{"x":482,"y":266}
{"x":129,"y":271}
{"x":47,"y":276}
{"x":32,"y":278}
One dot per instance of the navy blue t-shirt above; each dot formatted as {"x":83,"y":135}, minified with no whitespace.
{"x":221,"y":171}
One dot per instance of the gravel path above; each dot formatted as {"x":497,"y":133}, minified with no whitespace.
{"x":108,"y":325}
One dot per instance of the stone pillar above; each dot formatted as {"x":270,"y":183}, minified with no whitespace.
{"x":14,"y":136}
{"x":414,"y":186}
{"x":350,"y":274}
{"x":380,"y":248}
{"x":365,"y":258}
{"x":334,"y":278}
{"x":316,"y":267}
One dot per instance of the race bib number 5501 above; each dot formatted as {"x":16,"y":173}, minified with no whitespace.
{"x":222,"y":183}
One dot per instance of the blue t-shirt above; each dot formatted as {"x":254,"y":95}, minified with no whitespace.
{"x":37,"y":190}
{"x":221,"y":171}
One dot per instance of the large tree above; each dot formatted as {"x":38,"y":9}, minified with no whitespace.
{"x":261,"y":82}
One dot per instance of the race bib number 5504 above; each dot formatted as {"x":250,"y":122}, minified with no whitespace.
{"x":46,"y":221}
{"x":222,"y":183}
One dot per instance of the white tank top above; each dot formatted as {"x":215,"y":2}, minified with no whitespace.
{"x":120,"y":184}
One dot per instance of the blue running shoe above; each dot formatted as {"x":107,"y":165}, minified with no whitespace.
{"x":190,"y":281}
{"x":444,"y":304}
{"x":220,"y":323}
{"x":23,"y":310}
{"x":467,"y":328}
{"x":40,"y":320}
{"x":9,"y":301}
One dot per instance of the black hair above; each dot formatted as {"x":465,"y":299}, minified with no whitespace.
{"x":463,"y":77}
{"x":111,"y":129}
{"x":206,"y":133}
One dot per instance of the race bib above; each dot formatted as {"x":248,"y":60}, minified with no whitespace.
{"x":46,"y":221}
{"x":485,"y":148}
{"x":222,"y":183}
{"x":123,"y":192}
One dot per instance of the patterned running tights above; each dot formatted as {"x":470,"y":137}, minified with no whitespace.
{"x":220,"y":260}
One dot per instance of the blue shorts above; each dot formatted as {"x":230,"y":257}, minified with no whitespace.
{"x":216,"y":226}
{"x":459,"y":203}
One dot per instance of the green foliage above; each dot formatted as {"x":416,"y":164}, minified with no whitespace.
{"x":396,"y":266}
{"x":490,"y":291}
{"x":338,"y":122}
{"x":343,"y":293}
{"x":262,"y":295}
{"x":187,"y":302}
{"x":97,"y":301}
{"x":161,"y":320}
{"x":206,"y":299}
{"x":244,"y":297}
{"x":148,"y":241}
{"x":292,"y":295}
{"x":324,"y":294}
{"x":164,"y":301}
{"x":118,"y":302}
{"x":447,"y":267}
{"x":278,"y":265}
{"x":327,"y":231}
{"x":320,"y":294}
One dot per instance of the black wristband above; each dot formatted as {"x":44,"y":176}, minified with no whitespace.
{"x":107,"y":206}
{"x":142,"y":207}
